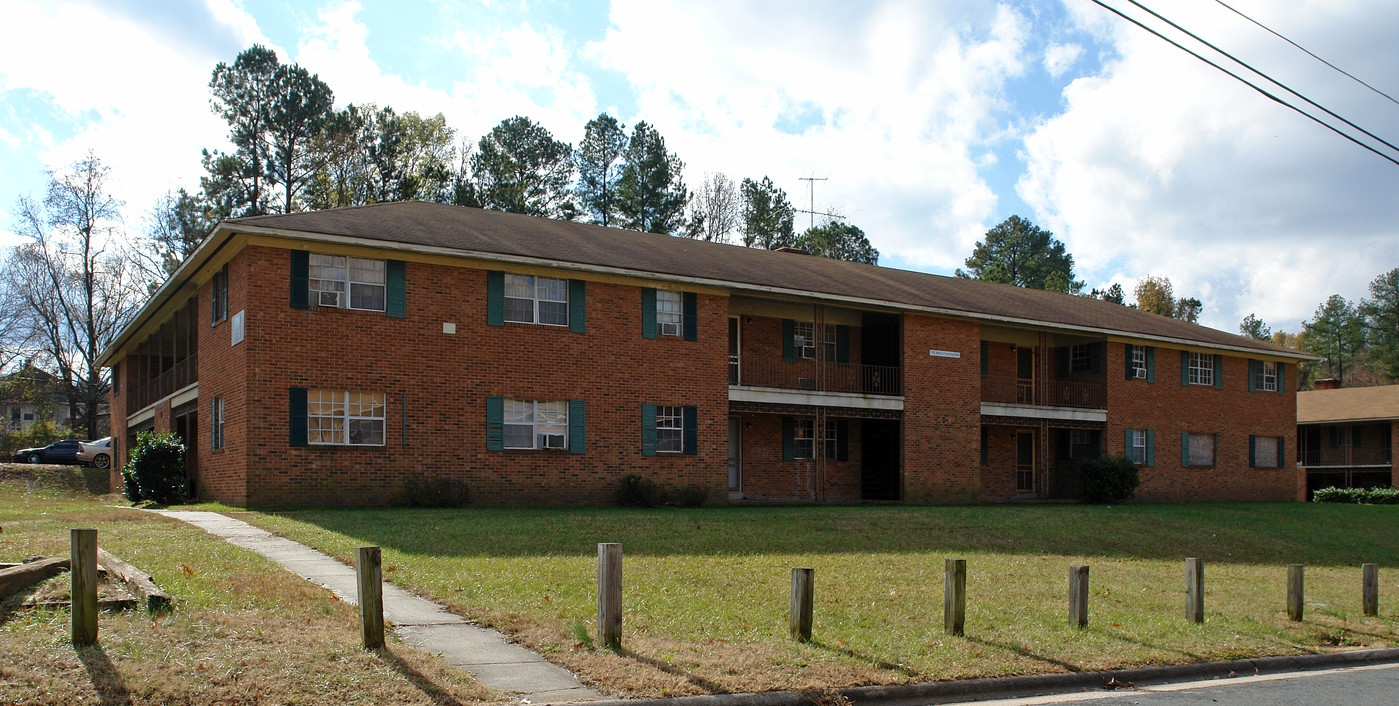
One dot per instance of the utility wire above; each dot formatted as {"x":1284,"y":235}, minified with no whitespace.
{"x":1246,"y":82}
{"x":1245,"y":64}
{"x":1314,"y":56}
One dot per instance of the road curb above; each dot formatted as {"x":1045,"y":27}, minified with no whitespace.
{"x":1029,"y":684}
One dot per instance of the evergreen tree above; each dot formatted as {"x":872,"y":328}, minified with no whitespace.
{"x":604,"y":142}
{"x":1020,"y":253}
{"x":1335,"y":332}
{"x":839,"y":241}
{"x":767,"y":215}
{"x":1254,"y":328}
{"x":1381,"y":314}
{"x":519,"y":167}
{"x":651,"y":195}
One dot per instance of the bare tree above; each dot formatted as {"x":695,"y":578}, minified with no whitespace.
{"x":716,"y":210}
{"x":72,"y":283}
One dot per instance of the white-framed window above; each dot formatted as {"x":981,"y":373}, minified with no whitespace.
{"x":1080,"y":358}
{"x":1201,"y":449}
{"x":530,"y":300}
{"x":217,"y":413}
{"x":670,"y":429}
{"x":804,"y":439}
{"x":345,"y":417}
{"x":1201,"y":369}
{"x":829,"y":342}
{"x":536,"y":424}
{"x":1139,"y":362}
{"x":1269,"y":377}
{"x":804,"y":339}
{"x":347,"y":282}
{"x":1137,"y":451}
{"x":669,"y":313}
{"x":832,"y":439}
{"x":1265,"y":452}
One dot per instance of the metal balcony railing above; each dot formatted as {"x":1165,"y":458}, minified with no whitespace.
{"x":1048,"y":393}
{"x":809,"y":375}
{"x":1346,"y":456}
{"x":181,"y":375}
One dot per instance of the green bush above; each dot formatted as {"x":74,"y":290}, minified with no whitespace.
{"x":38,"y":434}
{"x":156,"y":470}
{"x":691,"y":496}
{"x":438,"y":491}
{"x":1358,"y":496}
{"x":1107,"y":479}
{"x":638,"y":491}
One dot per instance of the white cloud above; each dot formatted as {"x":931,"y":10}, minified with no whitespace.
{"x":1059,"y":58}
{"x":1168,"y":166}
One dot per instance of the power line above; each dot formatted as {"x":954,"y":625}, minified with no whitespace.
{"x":1314,"y":56}
{"x":1244,"y":64}
{"x":1246,"y":82}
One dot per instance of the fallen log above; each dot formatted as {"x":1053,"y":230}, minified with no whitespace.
{"x":136,"y":581}
{"x":16,"y":578}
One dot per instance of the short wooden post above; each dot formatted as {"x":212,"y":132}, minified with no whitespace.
{"x":1078,"y":596}
{"x":1370,"y":589}
{"x":609,"y":595}
{"x":369,"y":571}
{"x":800,"y":612}
{"x":954,"y":597}
{"x":83,"y":566}
{"x":1294,"y":592}
{"x":1195,"y":590}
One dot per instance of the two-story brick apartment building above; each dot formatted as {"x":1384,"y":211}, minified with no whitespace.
{"x":324,"y":357}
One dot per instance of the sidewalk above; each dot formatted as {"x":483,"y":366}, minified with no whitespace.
{"x":421,"y":623}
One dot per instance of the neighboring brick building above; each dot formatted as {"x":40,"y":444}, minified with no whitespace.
{"x":1346,"y":437}
{"x":322,"y":358}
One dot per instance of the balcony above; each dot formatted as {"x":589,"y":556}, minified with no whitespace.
{"x":1345,"y":456}
{"x":811,"y":376}
{"x":178,"y":376}
{"x":1047,"y":393}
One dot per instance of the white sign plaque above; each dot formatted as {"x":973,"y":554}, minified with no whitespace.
{"x":944,"y":354}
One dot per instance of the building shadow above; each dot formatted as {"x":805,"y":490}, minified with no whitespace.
{"x":888,"y":666}
{"x":111,"y":688}
{"x":673,"y":670}
{"x":430,"y":689}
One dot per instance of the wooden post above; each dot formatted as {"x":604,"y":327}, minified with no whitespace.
{"x":1078,"y":596}
{"x":954,"y":597}
{"x":1195,"y":590}
{"x":609,"y":595}
{"x":1294,"y":592}
{"x":803,"y":595}
{"x":83,"y":546}
{"x":1370,"y":589}
{"x":368,"y":570}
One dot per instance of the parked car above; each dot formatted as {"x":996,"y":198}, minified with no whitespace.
{"x":97,"y":453}
{"x":61,"y":452}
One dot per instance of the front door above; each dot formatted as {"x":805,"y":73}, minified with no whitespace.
{"x":735,"y":454}
{"x":1025,"y":461}
{"x":1025,"y":375}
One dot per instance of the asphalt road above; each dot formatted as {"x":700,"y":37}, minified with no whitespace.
{"x":1373,"y":685}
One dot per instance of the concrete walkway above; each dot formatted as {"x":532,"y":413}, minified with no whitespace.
{"x":420,"y":622}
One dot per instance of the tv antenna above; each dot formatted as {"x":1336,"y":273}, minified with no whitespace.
{"x":811,"y":189}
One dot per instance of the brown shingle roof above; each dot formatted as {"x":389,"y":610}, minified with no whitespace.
{"x":472,"y":230}
{"x":1315,"y":406}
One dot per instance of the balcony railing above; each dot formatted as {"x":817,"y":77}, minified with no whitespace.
{"x":1345,"y":456}
{"x":183,"y":374}
{"x":1050,"y":393}
{"x":807,"y":375}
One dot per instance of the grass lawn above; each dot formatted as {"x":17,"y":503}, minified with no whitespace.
{"x":243,"y":630}
{"x":705,"y":590}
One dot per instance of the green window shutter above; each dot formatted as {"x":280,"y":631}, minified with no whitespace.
{"x":1150,"y":364}
{"x":1282,"y":453}
{"x":495,"y":300}
{"x":296,"y":417}
{"x":691,"y":433}
{"x":1333,"y":436}
{"x":577,"y":426}
{"x":1131,"y":372}
{"x":222,"y":313}
{"x":214,"y":298}
{"x":1282,"y":378}
{"x":842,"y":440}
{"x":1218,"y":372}
{"x":985,"y":361}
{"x":1127,"y":443}
{"x":1095,"y":357}
{"x":396,"y":293}
{"x":1097,"y":444}
{"x":300,"y":280}
{"x":1061,"y":354}
{"x":789,"y":348}
{"x":842,"y":344}
{"x":690,"y":317}
{"x":1185,"y":367}
{"x":214,"y":423}
{"x":1252,"y":451}
{"x":789,"y":439}
{"x":1150,"y":447}
{"x":577,"y":306}
{"x":1185,"y":449}
{"x":1253,"y":368}
{"x":495,"y":423}
{"x":648,"y":312}
{"x":648,"y":430}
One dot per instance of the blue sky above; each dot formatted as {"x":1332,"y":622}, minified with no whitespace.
{"x":931,"y":122}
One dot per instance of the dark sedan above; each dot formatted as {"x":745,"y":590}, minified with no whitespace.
{"x":62,"y":452}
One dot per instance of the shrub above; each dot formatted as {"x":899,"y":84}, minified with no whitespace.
{"x":691,"y":496}
{"x":637,"y":491}
{"x":438,"y":491}
{"x":1359,"y":496}
{"x":156,"y":470}
{"x":41,"y":433}
{"x":1107,"y":479}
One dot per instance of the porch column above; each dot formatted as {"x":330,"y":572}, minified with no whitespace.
{"x":819,"y":452}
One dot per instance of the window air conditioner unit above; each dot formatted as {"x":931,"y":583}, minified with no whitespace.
{"x":808,"y":352}
{"x":330,"y":299}
{"x":1140,"y":373}
{"x":670,"y":329}
{"x":806,"y":383}
{"x":553,"y":441}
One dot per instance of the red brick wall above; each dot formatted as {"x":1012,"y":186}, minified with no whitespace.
{"x":1169,"y":409}
{"x":942,"y":410}
{"x":765,"y":475}
{"x":447,"y":378}
{"x":998,"y":473}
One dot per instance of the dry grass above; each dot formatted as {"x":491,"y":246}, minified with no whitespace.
{"x":242,"y":630}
